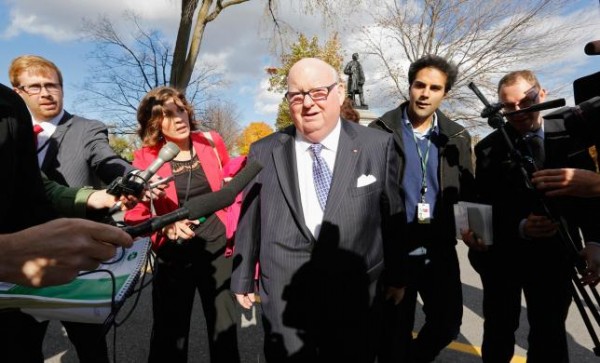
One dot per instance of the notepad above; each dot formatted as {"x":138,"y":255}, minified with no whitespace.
{"x":477,"y":217}
{"x":88,"y":298}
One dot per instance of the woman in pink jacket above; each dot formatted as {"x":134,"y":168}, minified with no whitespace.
{"x":190,"y":254}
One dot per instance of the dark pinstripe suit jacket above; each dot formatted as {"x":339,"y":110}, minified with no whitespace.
{"x":79,"y":154}
{"x":356,"y":231}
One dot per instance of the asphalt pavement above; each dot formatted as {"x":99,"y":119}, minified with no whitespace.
{"x":132,"y":338}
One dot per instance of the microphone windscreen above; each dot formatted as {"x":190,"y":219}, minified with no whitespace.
{"x":244,"y":177}
{"x":206,"y":204}
{"x":168,"y":152}
{"x":592,"y":48}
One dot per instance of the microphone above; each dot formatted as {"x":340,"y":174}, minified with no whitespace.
{"x":202,"y":205}
{"x":592,"y":48}
{"x":539,"y":107}
{"x":166,"y":154}
{"x":134,"y":182}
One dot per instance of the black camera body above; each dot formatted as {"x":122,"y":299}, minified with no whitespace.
{"x":126,"y":185}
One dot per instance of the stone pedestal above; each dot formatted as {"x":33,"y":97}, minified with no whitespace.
{"x":366,"y":116}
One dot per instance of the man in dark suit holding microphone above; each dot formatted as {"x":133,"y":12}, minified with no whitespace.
{"x":321,"y":218}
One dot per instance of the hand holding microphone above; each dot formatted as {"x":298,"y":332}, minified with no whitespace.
{"x":135,"y":183}
{"x":200,"y":206}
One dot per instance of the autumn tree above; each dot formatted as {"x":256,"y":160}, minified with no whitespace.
{"x":485,"y":38}
{"x":253,"y":132}
{"x":302,"y":48}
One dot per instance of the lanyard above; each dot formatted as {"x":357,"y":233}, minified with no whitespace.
{"x":423,"y":161}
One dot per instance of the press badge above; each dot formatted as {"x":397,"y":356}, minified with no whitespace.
{"x":423,"y":213}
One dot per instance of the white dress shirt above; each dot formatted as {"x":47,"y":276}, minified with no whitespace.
{"x":313,"y":214}
{"x":43,"y":137}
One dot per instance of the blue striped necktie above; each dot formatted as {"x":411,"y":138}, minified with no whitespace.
{"x":321,"y":175}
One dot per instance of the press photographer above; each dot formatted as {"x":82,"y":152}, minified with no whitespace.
{"x":530,"y":234}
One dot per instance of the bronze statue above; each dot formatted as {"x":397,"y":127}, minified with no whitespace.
{"x":356,"y":79}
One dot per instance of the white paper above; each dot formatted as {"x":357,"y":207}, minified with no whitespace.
{"x":474,"y":216}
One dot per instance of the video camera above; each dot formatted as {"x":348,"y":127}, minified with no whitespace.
{"x":584,"y":118}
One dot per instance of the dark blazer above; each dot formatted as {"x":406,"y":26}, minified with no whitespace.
{"x":24,"y":203}
{"x":79,"y":154}
{"x":302,"y":280}
{"x":455,"y":176}
{"x":500,"y":183}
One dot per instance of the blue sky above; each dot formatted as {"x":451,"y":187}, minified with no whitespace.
{"x":236,"y":42}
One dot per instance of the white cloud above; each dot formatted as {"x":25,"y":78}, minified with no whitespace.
{"x":266,"y":103}
{"x":61,"y":20}
{"x":237,"y":41}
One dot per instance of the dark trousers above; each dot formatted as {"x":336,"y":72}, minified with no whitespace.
{"x":181,"y":270}
{"x":22,"y":337}
{"x":541,"y":273}
{"x":436,"y":278}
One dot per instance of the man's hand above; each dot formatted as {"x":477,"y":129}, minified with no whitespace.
{"x":573,"y":182}
{"x":591,"y":254}
{"x":101,"y":199}
{"x":54,"y":252}
{"x":473,"y":240}
{"x":539,"y":227}
{"x":246,"y":300}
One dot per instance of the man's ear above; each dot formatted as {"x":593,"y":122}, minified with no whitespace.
{"x":542,"y":95}
{"x":341,"y":92}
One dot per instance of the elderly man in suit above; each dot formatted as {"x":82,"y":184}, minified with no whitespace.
{"x":528,"y":256}
{"x":321,"y":218}
{"x":72,"y":151}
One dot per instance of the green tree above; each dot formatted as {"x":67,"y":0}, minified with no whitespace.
{"x":302,"y":48}
{"x":124,"y":146}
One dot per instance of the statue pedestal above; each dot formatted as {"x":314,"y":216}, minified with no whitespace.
{"x":366,"y":116}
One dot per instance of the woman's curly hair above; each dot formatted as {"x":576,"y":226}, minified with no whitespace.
{"x":150,"y":113}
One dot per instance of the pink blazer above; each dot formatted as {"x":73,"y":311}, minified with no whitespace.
{"x":143,"y":157}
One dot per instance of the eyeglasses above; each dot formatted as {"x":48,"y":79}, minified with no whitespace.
{"x":530,"y":99}
{"x":36,"y":88}
{"x":316,"y":94}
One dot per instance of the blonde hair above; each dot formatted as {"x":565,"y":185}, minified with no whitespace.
{"x":33,"y":64}
{"x":512,"y":78}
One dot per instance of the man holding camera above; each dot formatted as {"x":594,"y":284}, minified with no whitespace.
{"x":528,"y":255}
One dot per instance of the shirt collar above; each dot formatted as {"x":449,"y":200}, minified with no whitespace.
{"x":432,"y":129}
{"x":50,"y":125}
{"x":330,"y":142}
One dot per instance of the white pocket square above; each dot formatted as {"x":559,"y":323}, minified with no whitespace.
{"x":365,"y":180}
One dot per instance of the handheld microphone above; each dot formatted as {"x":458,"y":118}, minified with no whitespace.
{"x":592,"y":48}
{"x":202,"y":205}
{"x":166,"y":154}
{"x":134,"y":182}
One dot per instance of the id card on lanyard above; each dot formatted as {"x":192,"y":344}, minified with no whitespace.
{"x":423,"y":208}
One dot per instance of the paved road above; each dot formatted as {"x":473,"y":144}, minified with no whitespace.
{"x":132,"y":338}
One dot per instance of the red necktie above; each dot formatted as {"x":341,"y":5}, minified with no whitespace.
{"x":36,"y":130}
